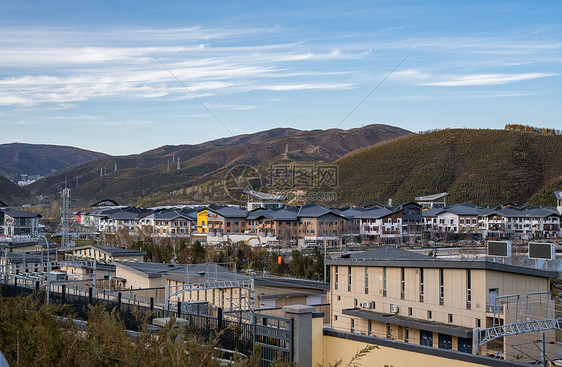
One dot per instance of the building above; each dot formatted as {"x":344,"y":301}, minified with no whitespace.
{"x":558,"y":195}
{"x":224,"y":220}
{"x":392,"y":224}
{"x":430,"y":201}
{"x":15,"y":222}
{"x":274,"y":293}
{"x":174,"y":223}
{"x":128,"y":219}
{"x":280,"y":222}
{"x":263,"y":200}
{"x":318,"y":224}
{"x":519,"y":222}
{"x":397,"y":294}
{"x":104,"y":254}
{"x":457,"y":219}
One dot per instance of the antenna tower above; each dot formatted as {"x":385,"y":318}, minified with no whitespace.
{"x":65,"y":216}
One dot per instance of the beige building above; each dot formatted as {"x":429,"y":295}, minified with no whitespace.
{"x":397,"y":294}
{"x":104,"y":254}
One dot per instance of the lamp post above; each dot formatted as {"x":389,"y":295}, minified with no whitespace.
{"x":48,"y":268}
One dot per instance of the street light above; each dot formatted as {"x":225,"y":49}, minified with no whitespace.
{"x":48,"y":268}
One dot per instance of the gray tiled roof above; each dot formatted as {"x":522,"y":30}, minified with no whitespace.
{"x":432,"y":212}
{"x":558,"y":194}
{"x":375,"y":213}
{"x":228,"y":211}
{"x":460,"y":209}
{"x":14,"y":213}
{"x":171,"y":214}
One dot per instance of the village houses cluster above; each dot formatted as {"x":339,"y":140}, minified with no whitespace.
{"x":267,"y":219}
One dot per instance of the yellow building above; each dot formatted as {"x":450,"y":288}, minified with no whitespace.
{"x":401,"y":295}
{"x":202,"y":222}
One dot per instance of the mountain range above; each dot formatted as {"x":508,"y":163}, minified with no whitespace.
{"x":375,"y":163}
{"x":150,"y":177}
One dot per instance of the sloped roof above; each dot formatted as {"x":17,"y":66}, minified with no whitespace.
{"x":106,"y":202}
{"x":113,"y":251}
{"x":228,"y":211}
{"x":532,"y":212}
{"x":170,"y":215}
{"x":432,"y":197}
{"x":460,"y":209}
{"x":314,"y":211}
{"x":350,"y":212}
{"x":130,"y":213}
{"x":375,"y":213}
{"x":264,"y":196}
{"x":432,"y":212}
{"x":14,"y":213}
{"x":558,"y":194}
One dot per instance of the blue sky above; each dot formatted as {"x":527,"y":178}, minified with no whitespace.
{"x":110,"y":75}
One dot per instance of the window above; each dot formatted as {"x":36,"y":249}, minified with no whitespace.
{"x":478,"y":323}
{"x":366,"y":280}
{"x":336,"y":279}
{"x":429,"y":314}
{"x":384,"y":281}
{"x":450,"y":318}
{"x":421,"y":284}
{"x":339,"y":298}
{"x":406,"y":334}
{"x":352,"y":325}
{"x":355,"y":302}
{"x":388,"y":331}
{"x":468,"y":290}
{"x":410,"y":311}
{"x":370,"y":327}
{"x":441,"y":288}
{"x":335,"y":317}
{"x":349,"y":278}
{"x":402,"y":284}
{"x":445,"y":341}
{"x":426,"y":338}
{"x":465,"y":345}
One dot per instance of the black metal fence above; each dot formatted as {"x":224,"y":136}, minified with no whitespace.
{"x":232,"y":335}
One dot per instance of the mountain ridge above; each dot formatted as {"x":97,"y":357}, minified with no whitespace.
{"x":153,"y":171}
{"x":485,"y":167}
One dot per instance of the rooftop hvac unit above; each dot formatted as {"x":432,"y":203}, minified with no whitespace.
{"x":365,"y":304}
{"x":393,"y":309}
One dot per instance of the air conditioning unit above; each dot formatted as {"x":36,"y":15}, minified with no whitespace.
{"x":365,"y":304}
{"x":393,"y":309}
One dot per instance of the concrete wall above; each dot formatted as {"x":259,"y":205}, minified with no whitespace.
{"x":343,"y":346}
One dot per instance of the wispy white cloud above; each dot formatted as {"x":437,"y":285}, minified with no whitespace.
{"x":486,"y":79}
{"x":230,"y":107}
{"x":293,"y":87}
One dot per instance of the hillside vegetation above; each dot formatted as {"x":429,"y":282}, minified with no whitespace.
{"x":485,"y":167}
{"x":152,"y":177}
{"x":39,"y":159}
{"x":12,"y":195}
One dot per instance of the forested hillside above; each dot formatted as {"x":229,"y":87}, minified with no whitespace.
{"x":485,"y":167}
